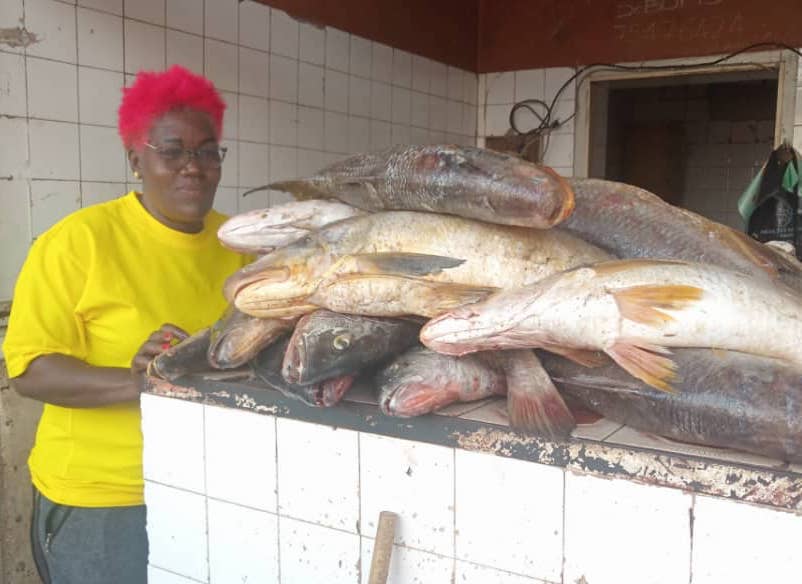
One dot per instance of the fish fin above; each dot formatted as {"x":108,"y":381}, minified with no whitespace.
{"x":445,"y":297}
{"x":255,"y":190}
{"x":646,"y":362}
{"x":301,"y":189}
{"x":413,"y":264}
{"x":533,"y":403}
{"x":643,"y":303}
{"x":580,"y":356}
{"x":749,"y":248}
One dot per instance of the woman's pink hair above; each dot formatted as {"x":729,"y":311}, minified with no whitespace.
{"x":153,"y":94}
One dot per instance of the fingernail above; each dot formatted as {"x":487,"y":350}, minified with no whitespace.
{"x":165,"y":346}
{"x":168,"y":336}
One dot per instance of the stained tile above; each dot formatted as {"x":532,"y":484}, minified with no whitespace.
{"x":311,"y":553}
{"x":15,"y":233}
{"x":13,"y":99}
{"x":467,"y":573}
{"x":54,"y":25}
{"x":409,"y":566}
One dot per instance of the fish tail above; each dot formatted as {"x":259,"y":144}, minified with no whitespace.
{"x":645,"y":362}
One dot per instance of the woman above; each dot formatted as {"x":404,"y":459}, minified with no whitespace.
{"x":88,"y":315}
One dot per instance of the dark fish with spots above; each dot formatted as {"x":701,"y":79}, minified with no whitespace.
{"x":236,"y":337}
{"x":456,"y":180}
{"x":267,"y":367}
{"x":725,"y":399}
{"x":328,"y":344}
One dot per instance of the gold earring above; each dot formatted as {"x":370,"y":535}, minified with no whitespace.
{"x":137,"y":175}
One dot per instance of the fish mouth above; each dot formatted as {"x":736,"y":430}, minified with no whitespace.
{"x":331,"y":391}
{"x":239,"y":281}
{"x":293,"y":367}
{"x":412,"y":399}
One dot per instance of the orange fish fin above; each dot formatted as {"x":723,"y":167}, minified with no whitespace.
{"x":643,"y":304}
{"x":580,"y":356}
{"x":533,"y":403}
{"x":749,"y":248}
{"x":646,"y":362}
{"x":445,"y":297}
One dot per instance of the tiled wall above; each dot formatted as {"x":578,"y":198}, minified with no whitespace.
{"x":299,"y":97}
{"x":235,"y":496}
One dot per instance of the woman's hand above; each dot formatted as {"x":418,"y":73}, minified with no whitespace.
{"x":157,"y":342}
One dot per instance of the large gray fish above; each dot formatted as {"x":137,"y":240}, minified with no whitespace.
{"x":267,"y":367}
{"x":236,"y":337}
{"x":633,"y":223}
{"x":328,"y":344}
{"x":421,"y":381}
{"x":457,"y":180}
{"x":401,"y":262}
{"x":726,"y":399}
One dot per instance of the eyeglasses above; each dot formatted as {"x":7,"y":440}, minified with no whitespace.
{"x":176,"y":158}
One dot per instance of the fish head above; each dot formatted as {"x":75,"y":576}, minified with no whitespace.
{"x":257,"y":231}
{"x":320,"y":346}
{"x":415,"y":384}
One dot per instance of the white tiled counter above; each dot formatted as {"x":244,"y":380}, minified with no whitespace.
{"x":243,"y":485}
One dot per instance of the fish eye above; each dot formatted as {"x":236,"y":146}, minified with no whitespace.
{"x":341,"y":342}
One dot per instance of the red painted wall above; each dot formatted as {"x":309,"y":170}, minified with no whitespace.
{"x":526,"y":34}
{"x":443,"y":30}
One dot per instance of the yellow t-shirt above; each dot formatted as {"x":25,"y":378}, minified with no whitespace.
{"x":94,"y":287}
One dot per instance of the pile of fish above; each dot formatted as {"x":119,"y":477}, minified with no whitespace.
{"x":450,"y":274}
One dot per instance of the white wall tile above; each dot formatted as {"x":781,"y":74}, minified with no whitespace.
{"x":52,"y":200}
{"x":325,"y":488}
{"x":257,"y":200}
{"x":380,"y":135}
{"x":184,"y":49}
{"x":11,"y":15}
{"x":230,"y":116}
{"x":418,"y":135}
{"x":739,"y":543}
{"x":532,"y":537}
{"x":102,"y":154}
{"x":284,"y":123}
{"x":394,"y":473}
{"x":253,"y":72}
{"x":159,"y":576}
{"x":564,"y":110}
{"x":336,"y":91}
{"x":310,"y":85}
{"x":221,"y":20}
{"x":408,"y":565}
{"x":497,"y":120}
{"x":310,"y":553}
{"x":254,"y":25}
{"x":148,"y":10}
{"x":230,"y":173}
{"x":421,"y":74}
{"x":310,"y":128}
{"x":54,"y":150}
{"x":54,"y":24}
{"x":253,"y":164}
{"x":235,"y":470}
{"x":402,"y":68}
{"x":144,"y":47}
{"x":469,"y":113}
{"x":437,"y":137}
{"x":12,"y":85}
{"x":456,"y":91}
{"x":284,"y":34}
{"x":438,"y":112}
{"x":283,"y":165}
{"x":43,"y":102}
{"x":420,"y":110}
{"x":501,"y":88}
{"x":530,"y":84}
{"x":243,"y":544}
{"x":438,"y":83}
{"x":358,"y":134}
{"x":253,"y":119}
{"x":555,"y":78}
{"x":399,"y":134}
{"x":176,"y":524}
{"x":93,"y":193}
{"x":359,"y":96}
{"x":471,"y":88}
{"x":186,"y":15}
{"x":338,"y":49}
{"x":310,"y":161}
{"x":604,"y":516}
{"x":14,"y":147}
{"x":454,"y":117}
{"x":15,"y":233}
{"x":381,"y":101}
{"x":283,"y":78}
{"x":312,"y":47}
{"x":560,"y":150}
{"x":336,"y":132}
{"x":100,"y":39}
{"x":467,"y":573}
{"x":113,"y":6}
{"x":225,"y":200}
{"x":360,"y":56}
{"x":402,"y":105}
{"x":382,"y":63}
{"x":221,"y":64}
{"x":100,"y":93}
{"x":177,"y":463}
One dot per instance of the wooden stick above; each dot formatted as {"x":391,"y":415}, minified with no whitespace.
{"x":382,"y":548}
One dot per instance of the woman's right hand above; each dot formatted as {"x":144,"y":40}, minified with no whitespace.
{"x":158,"y":341}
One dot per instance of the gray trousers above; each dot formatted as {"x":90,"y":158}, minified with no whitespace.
{"x":83,"y":545}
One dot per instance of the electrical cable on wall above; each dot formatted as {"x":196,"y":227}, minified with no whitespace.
{"x":545,"y":122}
